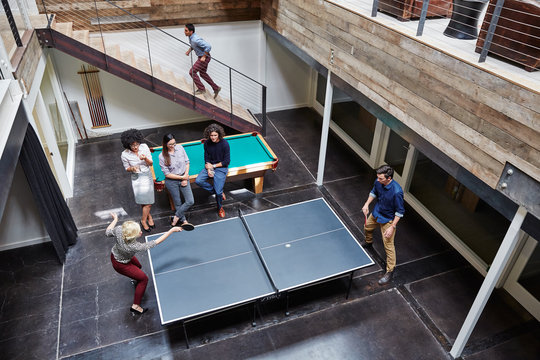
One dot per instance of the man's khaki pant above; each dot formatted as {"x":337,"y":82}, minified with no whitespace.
{"x":371,"y":224}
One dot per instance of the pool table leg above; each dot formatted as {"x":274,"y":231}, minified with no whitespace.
{"x":258,"y":184}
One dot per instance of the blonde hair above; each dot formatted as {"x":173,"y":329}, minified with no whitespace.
{"x":130,"y":230}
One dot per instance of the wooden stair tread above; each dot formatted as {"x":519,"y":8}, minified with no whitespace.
{"x":96,"y":43}
{"x":114,"y":51}
{"x":40,"y":21}
{"x":241,"y":112}
{"x":182,"y":84}
{"x":143,"y":65}
{"x":129,"y":58}
{"x":65,"y":28}
{"x":82,"y":36}
{"x":167,"y":76}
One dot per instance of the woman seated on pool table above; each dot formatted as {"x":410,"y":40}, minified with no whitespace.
{"x":217,"y":156}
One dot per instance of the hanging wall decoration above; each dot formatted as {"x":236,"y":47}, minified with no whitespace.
{"x":94,"y":96}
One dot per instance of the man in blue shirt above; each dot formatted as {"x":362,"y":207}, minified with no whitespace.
{"x":388,"y":210}
{"x":202,"y":50}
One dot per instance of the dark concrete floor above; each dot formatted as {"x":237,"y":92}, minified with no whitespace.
{"x":80,"y":310}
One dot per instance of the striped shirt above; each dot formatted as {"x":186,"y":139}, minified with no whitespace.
{"x":179,"y":161}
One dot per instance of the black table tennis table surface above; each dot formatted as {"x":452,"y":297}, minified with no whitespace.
{"x":217,"y":265}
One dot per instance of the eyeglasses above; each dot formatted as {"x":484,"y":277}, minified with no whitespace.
{"x":173,"y":144}
{"x":134,"y":145}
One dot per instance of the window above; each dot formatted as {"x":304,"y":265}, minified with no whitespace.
{"x":396,"y":152}
{"x":471,"y":219}
{"x":352,"y":118}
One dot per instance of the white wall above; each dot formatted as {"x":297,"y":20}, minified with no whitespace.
{"x":236,"y":44}
{"x":21,"y":223}
{"x":288,"y":78}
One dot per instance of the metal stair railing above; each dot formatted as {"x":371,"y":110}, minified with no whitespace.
{"x":160,"y":53}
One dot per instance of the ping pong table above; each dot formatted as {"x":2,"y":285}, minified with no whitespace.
{"x":251,"y":257}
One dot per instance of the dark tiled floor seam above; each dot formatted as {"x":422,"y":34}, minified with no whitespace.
{"x":60,"y":312}
{"x":423,"y":316}
{"x":474,"y":347}
{"x":294,"y":152}
{"x":89,"y":351}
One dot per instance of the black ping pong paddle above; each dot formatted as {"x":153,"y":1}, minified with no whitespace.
{"x":187,"y":226}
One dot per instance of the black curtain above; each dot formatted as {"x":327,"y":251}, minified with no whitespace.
{"x":49,"y":199}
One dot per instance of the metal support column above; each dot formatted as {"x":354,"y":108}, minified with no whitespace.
{"x":325,"y":126}
{"x":501,"y":258}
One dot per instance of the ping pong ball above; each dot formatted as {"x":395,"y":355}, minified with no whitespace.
{"x":288,"y":245}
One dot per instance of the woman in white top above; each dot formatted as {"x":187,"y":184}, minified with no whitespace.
{"x":137,"y":160}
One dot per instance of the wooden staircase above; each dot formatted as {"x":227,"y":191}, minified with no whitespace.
{"x":158,"y":79}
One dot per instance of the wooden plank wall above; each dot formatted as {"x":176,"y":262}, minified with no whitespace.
{"x":477,"y":119}
{"x":27,"y":66}
{"x":161,"y":12}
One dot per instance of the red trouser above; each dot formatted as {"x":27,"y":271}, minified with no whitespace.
{"x":200,"y":67}
{"x":132,"y":270}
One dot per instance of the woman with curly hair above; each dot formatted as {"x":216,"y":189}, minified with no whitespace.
{"x":174,"y":163}
{"x":123,"y":255}
{"x":137,"y":160}
{"x":217,"y":156}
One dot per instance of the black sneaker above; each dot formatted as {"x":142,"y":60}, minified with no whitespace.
{"x":386,"y":278}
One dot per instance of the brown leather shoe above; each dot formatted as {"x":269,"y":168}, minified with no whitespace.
{"x":386,"y":278}
{"x":221,"y":213}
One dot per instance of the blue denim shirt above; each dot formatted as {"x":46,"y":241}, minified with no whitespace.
{"x":199,"y":45}
{"x":389,"y":201}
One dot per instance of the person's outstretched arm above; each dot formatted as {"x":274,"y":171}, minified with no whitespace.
{"x":113,"y":223}
{"x":169,"y":232}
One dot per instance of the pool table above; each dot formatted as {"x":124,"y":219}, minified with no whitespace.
{"x":250,"y":158}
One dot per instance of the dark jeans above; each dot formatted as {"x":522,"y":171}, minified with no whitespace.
{"x":220,"y":174}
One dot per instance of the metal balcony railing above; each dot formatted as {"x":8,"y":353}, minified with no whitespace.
{"x":509,"y":29}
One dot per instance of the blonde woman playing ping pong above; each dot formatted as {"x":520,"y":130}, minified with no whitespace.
{"x":123,"y":255}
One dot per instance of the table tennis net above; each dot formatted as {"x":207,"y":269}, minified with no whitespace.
{"x":257,"y":249}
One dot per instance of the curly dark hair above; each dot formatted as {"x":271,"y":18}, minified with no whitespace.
{"x":211,"y":128}
{"x":130,"y":136}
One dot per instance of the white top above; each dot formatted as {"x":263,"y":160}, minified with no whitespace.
{"x":129,"y":158}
